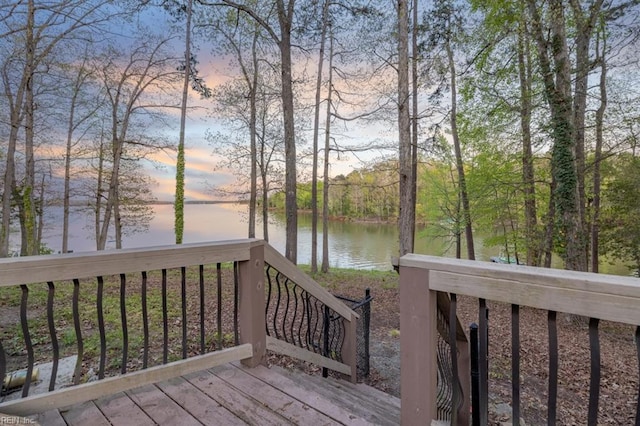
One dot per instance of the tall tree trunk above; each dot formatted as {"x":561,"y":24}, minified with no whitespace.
{"x":29,"y":214}
{"x":325,"y":177}
{"x":557,"y":83}
{"x":316,"y":131}
{"x":462,"y":183}
{"x":533,"y":241}
{"x":584,"y":30}
{"x":285,"y":17}
{"x":414,"y":123}
{"x":253,"y":118}
{"x":178,"y":207}
{"x":99,"y":191}
{"x":595,"y":224}
{"x":404,"y":131}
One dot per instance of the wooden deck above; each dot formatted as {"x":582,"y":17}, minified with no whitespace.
{"x":235,"y":395}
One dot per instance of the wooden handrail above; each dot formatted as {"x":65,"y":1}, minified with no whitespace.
{"x":58,"y":267}
{"x":608,"y":297}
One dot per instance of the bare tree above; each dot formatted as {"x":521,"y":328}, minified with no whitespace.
{"x":147,"y":68}
{"x":285,"y":15}
{"x":43,"y":27}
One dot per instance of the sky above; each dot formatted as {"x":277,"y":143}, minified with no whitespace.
{"x":203,"y":171}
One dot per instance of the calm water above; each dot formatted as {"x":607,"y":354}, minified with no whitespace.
{"x":351,"y":245}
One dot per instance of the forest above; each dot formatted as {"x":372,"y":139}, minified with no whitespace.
{"x":518,"y":117}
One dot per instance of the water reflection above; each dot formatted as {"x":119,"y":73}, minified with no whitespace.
{"x":351,"y":245}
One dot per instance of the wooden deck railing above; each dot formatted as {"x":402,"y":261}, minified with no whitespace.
{"x":138,"y":316}
{"x":425,"y":278}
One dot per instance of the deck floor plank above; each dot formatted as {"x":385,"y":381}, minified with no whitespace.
{"x":295,"y":390}
{"x":162,"y":409}
{"x":276,"y":400}
{"x":360,"y":406}
{"x":199,"y":404}
{"x":49,"y":418}
{"x":119,"y":409}
{"x":84,"y":414}
{"x":246,"y":408}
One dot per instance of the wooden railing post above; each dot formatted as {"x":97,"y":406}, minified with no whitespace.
{"x":418,"y":340}
{"x":464,"y":375}
{"x":251,"y":305}
{"x":350,"y":347}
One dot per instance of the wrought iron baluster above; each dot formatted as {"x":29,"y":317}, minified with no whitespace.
{"x":76,"y":323}
{"x":202,"y":331}
{"x":325,"y":335}
{"x":3,"y":364}
{"x":123,"y":319}
{"x":483,"y":360}
{"x":165,"y":320}
{"x":456,"y":399}
{"x":268,"y":302}
{"x":277,"y":307}
{"x":295,"y":314}
{"x":638,"y":354}
{"x":236,"y":297}
{"x":145,"y":321}
{"x":515,"y":363}
{"x":27,"y":339}
{"x":594,"y":385}
{"x":553,"y":368}
{"x":475,"y":376}
{"x":103,"y":336}
{"x":286,"y":311}
{"x":183,"y":296}
{"x":219,"y":318}
{"x":54,"y":338}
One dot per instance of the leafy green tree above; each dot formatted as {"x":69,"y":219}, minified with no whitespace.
{"x":620,"y":211}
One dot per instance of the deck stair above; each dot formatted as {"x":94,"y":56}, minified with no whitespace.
{"x":232,"y":394}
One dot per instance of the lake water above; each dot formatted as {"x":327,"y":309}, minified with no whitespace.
{"x":351,"y":245}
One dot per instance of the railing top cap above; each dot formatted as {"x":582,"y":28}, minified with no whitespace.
{"x":509,"y":271}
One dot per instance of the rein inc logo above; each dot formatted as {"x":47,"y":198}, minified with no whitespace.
{"x":14,"y":420}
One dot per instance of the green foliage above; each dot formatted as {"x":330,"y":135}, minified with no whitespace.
{"x":178,"y":206}
{"x":620,"y":224}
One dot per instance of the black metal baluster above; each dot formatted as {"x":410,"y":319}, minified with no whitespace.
{"x":183,"y":295}
{"x":325,"y":337}
{"x":475,"y":376}
{"x":76,"y":323}
{"x":275,"y":313}
{"x":515,"y":363}
{"x":309,"y":318}
{"x":316,"y":313}
{"x":3,"y":365}
{"x":165,"y":321}
{"x":236,"y":280}
{"x":202,"y":345}
{"x":638,"y":352}
{"x":123,"y":319}
{"x":366,"y":322}
{"x":340,"y":336}
{"x":27,"y":339}
{"x":295,"y":313}
{"x":268,"y":301}
{"x":286,"y":312}
{"x":54,"y":338}
{"x":145,"y":321}
{"x":553,"y":368}
{"x":304,"y":321}
{"x":483,"y":360}
{"x":103,"y":336}
{"x":594,"y":385}
{"x":219,"y":319}
{"x":453,"y":346}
